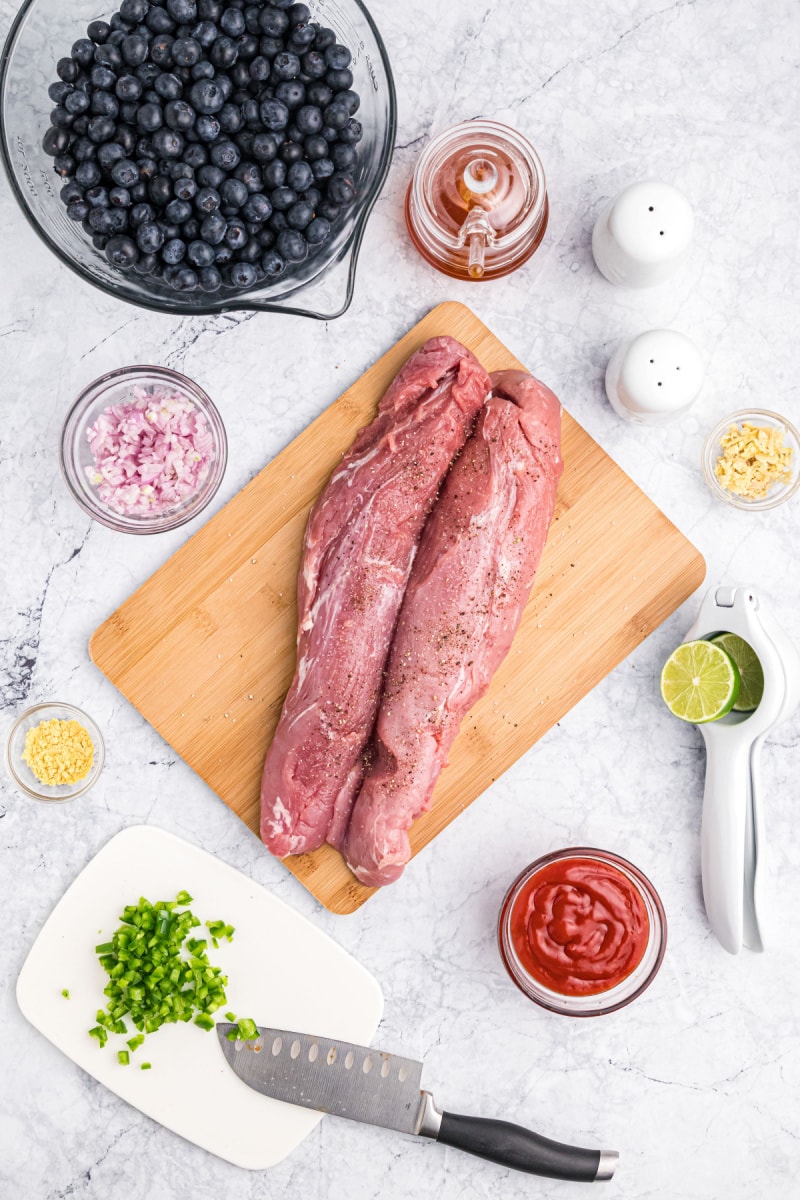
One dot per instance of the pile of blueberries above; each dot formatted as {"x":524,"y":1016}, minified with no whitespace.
{"x":210,"y":143}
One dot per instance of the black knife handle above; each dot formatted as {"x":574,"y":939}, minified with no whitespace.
{"x":512,"y":1146}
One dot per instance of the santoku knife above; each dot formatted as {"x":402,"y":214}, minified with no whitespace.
{"x":377,"y":1088}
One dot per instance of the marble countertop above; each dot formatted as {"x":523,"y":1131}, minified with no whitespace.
{"x":696,"y":1083}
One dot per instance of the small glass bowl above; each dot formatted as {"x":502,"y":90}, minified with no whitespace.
{"x":21,"y":773}
{"x":712,"y":451}
{"x":117,"y":388}
{"x":614,"y":997}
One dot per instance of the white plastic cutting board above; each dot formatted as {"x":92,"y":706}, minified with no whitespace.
{"x":282,"y":971}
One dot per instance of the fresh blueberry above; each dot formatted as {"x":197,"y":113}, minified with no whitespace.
{"x":133,"y":11}
{"x":270,"y":46}
{"x":97,"y":196}
{"x":292,"y":93}
{"x":109,"y":56}
{"x":230,"y":118}
{"x":300,"y":215}
{"x":259,"y":69}
{"x":98,"y":31}
{"x":285,"y":66}
{"x":342,"y":156}
{"x":178,"y":211}
{"x":273,"y":22}
{"x":257,"y":208}
{"x":159,"y":190}
{"x":62,"y":119}
{"x":185,"y":280}
{"x":125,"y":173}
{"x":185,"y":187}
{"x":340,"y":81}
{"x":243,"y":275}
{"x":273,"y":114}
{"x":168,"y":86}
{"x":202,"y":70}
{"x":168,"y":143}
{"x":337,"y":56}
{"x":322,"y":168}
{"x":83,"y":52}
{"x":302,"y":37}
{"x":161,"y":50}
{"x":213,"y":228}
{"x":341,"y":188}
{"x":205,"y":32}
{"x":225,"y":155}
{"x":319,"y":93}
{"x":186,"y":51}
{"x":159,"y":20}
{"x":308,"y":119}
{"x":209,"y":10}
{"x":278,"y":222}
{"x":150,"y":118}
{"x":128,"y":88}
{"x":235,"y":235}
{"x":119,"y":197}
{"x":223,"y":254}
{"x":300,"y":176}
{"x":179,"y":114}
{"x":148,"y":167}
{"x":273,"y":264}
{"x":134,"y":49}
{"x":265,"y":147}
{"x":101,"y":129}
{"x":210,"y":176}
{"x":121,"y":252}
{"x":206,"y":96}
{"x":336,"y":115}
{"x":195,"y":156}
{"x":327,"y":210}
{"x":210,"y":279}
{"x":173,"y":251}
{"x":141,"y":213}
{"x":145,"y":264}
{"x":313,"y":64}
{"x":246,"y":46}
{"x":223,"y":53}
{"x":78,"y":210}
{"x":292,"y":246}
{"x":283,"y":198}
{"x":182,"y":11}
{"x":105,"y":105}
{"x":350,"y":99}
{"x":317,"y":232}
{"x":233,"y":193}
{"x":88,"y":174}
{"x":352,"y":132}
{"x":274,"y":173}
{"x":76,"y":103}
{"x":207,"y":200}
{"x":149,"y":237}
{"x":207,"y":128}
{"x":64,"y":165}
{"x":67,"y":69}
{"x":200,"y":254}
{"x":250,"y":176}
{"x":232,"y":22}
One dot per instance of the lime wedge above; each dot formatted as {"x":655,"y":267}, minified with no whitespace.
{"x":750,"y":672}
{"x":699,"y":682}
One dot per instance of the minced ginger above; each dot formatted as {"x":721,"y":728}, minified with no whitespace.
{"x":58,"y":752}
{"x":753,"y":459}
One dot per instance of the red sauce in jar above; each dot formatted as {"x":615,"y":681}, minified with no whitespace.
{"x":579,"y":926}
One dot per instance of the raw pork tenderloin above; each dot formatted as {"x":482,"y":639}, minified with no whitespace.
{"x":360,"y":541}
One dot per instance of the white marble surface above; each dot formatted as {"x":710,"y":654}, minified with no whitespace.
{"x":697,"y":1082}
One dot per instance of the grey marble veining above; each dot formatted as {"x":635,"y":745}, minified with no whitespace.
{"x":696,"y":1083}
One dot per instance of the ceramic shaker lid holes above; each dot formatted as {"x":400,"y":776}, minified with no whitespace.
{"x":641,"y":237}
{"x":655,"y":377}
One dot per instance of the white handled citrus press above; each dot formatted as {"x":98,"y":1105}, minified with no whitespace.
{"x":733,"y":843}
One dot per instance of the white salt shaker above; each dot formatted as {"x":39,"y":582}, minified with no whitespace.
{"x":642,"y":236}
{"x":655,"y":377}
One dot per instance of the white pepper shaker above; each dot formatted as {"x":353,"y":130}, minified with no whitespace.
{"x":655,"y":377}
{"x":642,"y":236}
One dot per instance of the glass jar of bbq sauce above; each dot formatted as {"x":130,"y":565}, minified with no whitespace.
{"x":582,"y":932}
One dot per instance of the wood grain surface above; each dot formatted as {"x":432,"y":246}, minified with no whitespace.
{"x":205,"y":648}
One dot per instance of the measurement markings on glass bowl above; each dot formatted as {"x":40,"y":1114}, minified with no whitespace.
{"x":25,"y":168}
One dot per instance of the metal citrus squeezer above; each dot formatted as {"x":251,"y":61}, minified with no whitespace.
{"x":735,"y":882}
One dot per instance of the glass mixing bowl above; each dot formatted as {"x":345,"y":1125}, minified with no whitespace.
{"x":44,"y":31}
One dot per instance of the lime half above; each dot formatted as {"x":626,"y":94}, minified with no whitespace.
{"x":699,"y":682}
{"x":750,"y":672}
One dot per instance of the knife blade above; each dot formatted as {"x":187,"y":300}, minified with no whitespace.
{"x":378,"y":1088}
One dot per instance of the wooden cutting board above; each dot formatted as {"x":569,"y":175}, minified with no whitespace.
{"x":205,"y":649}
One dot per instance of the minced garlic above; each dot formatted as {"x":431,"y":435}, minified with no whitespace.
{"x":58,"y":752}
{"x":753,"y":459}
